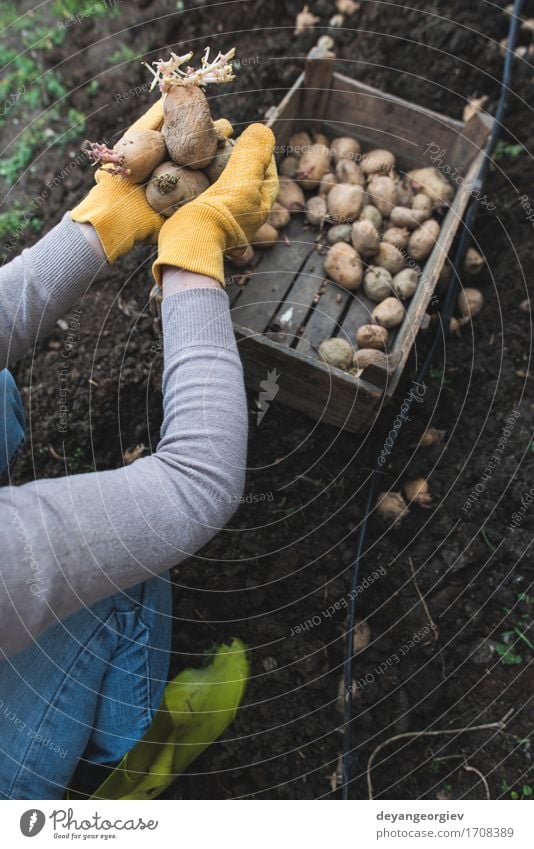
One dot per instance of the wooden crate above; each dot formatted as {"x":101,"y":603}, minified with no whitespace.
{"x":288,"y":307}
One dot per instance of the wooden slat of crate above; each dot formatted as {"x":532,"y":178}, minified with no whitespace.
{"x":431,"y":271}
{"x":291,"y":315}
{"x":358,"y":313}
{"x":282,"y":118}
{"x":324,"y":321}
{"x":272,"y":277}
{"x":383,"y":120}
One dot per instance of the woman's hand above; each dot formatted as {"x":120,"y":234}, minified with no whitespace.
{"x":118,"y":209}
{"x":227,"y":215}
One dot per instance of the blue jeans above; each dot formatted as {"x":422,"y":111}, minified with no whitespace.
{"x":12,"y":430}
{"x":86,"y":691}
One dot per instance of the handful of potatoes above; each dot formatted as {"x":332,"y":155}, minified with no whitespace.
{"x":189,"y":153}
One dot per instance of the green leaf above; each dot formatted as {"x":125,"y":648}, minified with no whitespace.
{"x":508,"y":657}
{"x":198,"y":705}
{"x":505,"y":149}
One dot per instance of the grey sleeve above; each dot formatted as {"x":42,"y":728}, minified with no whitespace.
{"x":40,"y":285}
{"x":69,"y":542}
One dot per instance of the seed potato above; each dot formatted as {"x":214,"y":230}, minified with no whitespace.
{"x":377,"y":284}
{"x":291,"y":195}
{"x":378,"y":162}
{"x":345,"y":202}
{"x":390,"y":257}
{"x":265,"y":237}
{"x":171,"y":186}
{"x":339,"y":233}
{"x":423,"y":239}
{"x":397,"y":236}
{"x":343,"y":265}
{"x":348,"y":171}
{"x":365,"y":238}
{"x":314,"y":163}
{"x":316,"y":210}
{"x":389,"y":313}
{"x":336,"y":352}
{"x":383,"y":194}
{"x":372,"y":336}
{"x":345,"y":147}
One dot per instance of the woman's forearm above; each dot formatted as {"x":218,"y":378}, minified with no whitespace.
{"x":41,"y":285}
{"x":68,"y":542}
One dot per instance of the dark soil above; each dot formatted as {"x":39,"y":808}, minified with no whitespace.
{"x":286,"y":557}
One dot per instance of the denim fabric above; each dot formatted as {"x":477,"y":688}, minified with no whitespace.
{"x":12,"y":430}
{"x":86,"y":691}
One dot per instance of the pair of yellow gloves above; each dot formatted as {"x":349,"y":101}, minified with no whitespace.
{"x":223,"y":218}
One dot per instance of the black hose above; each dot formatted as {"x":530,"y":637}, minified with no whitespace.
{"x":349,"y":756}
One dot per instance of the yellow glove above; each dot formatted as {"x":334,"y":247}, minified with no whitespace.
{"x":227,"y":215}
{"x":119,"y":210}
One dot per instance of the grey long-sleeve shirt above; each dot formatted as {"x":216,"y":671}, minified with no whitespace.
{"x":68,"y":542}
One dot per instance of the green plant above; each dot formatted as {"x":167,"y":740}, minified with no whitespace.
{"x":526,"y":791}
{"x":505,"y":649}
{"x":436,"y":373}
{"x":71,"y":8}
{"x":31,"y":92}
{"x":16,"y":220}
{"x":12,"y":226}
{"x":123,"y":54}
{"x":505,"y":149}
{"x":10,"y":17}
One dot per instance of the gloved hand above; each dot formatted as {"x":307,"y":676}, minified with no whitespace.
{"x":119,"y":210}
{"x":227,"y":215}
